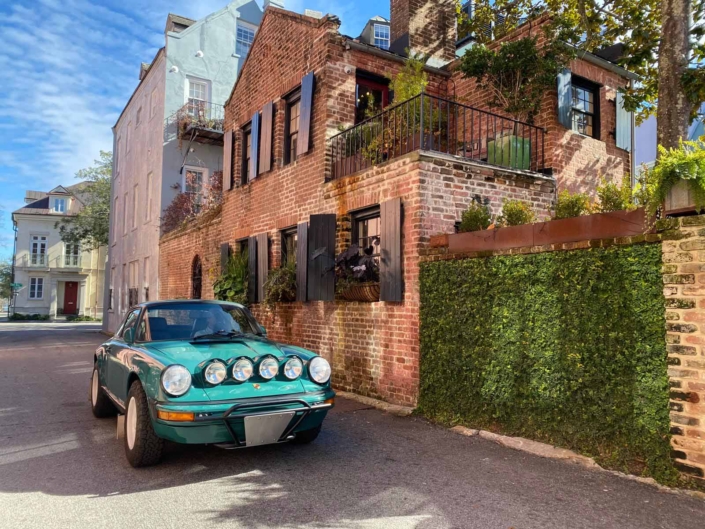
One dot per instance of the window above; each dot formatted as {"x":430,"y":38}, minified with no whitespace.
{"x":36,"y":288}
{"x":243,"y":42}
{"x":194,"y":178}
{"x":123,"y":292}
{"x":117,"y":156}
{"x":148,"y":213}
{"x":246,"y":153}
{"x":585,"y":107}
{"x":242,"y":246}
{"x":372,"y":95}
{"x":110,"y":299}
{"x":293,"y":114}
{"x":38,"y":250}
{"x":367,"y":228}
{"x":289,"y":242}
{"x":130,"y":322}
{"x":127,"y":135}
{"x":196,"y":96}
{"x":145,"y":278}
{"x":153,"y":104}
{"x":138,"y":117}
{"x":111,"y":293}
{"x":72,"y":254}
{"x":135,"y":206}
{"x":124,"y":215}
{"x":59,"y":205}
{"x":115,"y":221}
{"x":382,"y":36}
{"x":133,"y":291}
{"x":196,"y":278}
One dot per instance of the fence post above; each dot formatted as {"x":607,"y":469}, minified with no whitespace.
{"x":422,"y":133}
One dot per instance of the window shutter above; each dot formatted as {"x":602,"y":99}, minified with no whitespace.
{"x":301,"y":260}
{"x":321,"y":258}
{"x":265,"y":151}
{"x":224,"y":256}
{"x":228,"y":160}
{"x":262,"y":264}
{"x":390,"y":273}
{"x":252,"y":269}
{"x":623,"y":134}
{"x":565,"y":99}
{"x":254,"y":154}
{"x":304,"y":140}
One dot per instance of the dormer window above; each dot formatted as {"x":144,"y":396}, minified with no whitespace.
{"x":59,"y":205}
{"x":382,"y":36}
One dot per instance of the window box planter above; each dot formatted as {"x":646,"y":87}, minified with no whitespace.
{"x":368,"y":292}
{"x":679,"y":199}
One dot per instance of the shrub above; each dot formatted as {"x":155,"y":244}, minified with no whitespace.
{"x":516,"y":213}
{"x":477,"y":217}
{"x":571,"y":205}
{"x":280,"y":285}
{"x":232,"y":284}
{"x":29,"y":317}
{"x":612,"y":197}
{"x":80,"y":318}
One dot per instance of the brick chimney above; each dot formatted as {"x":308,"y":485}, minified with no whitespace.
{"x":426,"y":27}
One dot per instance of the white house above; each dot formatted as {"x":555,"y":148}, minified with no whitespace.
{"x":57,"y":278}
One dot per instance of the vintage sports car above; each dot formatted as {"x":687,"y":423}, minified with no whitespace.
{"x":204,"y":372}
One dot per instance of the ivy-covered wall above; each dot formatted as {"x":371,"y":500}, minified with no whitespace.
{"x":565,"y":347}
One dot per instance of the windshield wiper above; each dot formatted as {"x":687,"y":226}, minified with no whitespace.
{"x":217,"y":334}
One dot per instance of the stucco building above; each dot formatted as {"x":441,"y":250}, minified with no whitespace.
{"x":57,"y":278}
{"x":170,"y":133}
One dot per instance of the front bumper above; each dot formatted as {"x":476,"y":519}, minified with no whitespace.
{"x":224,"y":422}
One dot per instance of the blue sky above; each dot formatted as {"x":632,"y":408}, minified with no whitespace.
{"x":69,"y":67}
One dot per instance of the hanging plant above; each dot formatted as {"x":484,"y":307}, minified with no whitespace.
{"x":280,"y":285}
{"x":357,"y":273}
{"x":233,"y":282}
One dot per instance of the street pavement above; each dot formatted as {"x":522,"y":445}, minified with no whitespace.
{"x":60,"y":467}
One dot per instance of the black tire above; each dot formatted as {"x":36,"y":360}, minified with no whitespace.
{"x":307,"y":436}
{"x":147,"y":447}
{"x":101,"y":405}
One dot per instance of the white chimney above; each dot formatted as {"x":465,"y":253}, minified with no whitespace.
{"x":274,"y":3}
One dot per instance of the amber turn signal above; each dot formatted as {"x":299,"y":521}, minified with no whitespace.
{"x":175,"y":416}
{"x":330,"y":401}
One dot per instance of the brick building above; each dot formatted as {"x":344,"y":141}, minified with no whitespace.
{"x":306,"y":174}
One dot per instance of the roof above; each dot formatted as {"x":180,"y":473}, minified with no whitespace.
{"x":612,"y":53}
{"x":177,"y":23}
{"x":42,"y":206}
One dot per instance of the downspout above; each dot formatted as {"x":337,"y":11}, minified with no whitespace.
{"x":632,"y":154}
{"x":11,"y":301}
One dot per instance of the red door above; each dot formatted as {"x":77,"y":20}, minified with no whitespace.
{"x":71,"y":297}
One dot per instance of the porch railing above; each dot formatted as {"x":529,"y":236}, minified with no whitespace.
{"x":200,"y":115}
{"x":432,"y":123}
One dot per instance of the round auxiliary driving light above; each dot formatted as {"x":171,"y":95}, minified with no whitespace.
{"x":319,"y":370}
{"x":268,"y":368}
{"x":293,"y":368}
{"x":242,"y":370}
{"x":216,"y":373}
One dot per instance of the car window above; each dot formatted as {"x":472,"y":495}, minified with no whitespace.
{"x":130,"y":322}
{"x":141,"y":335}
{"x":186,"y":321}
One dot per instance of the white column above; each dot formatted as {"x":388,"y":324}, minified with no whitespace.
{"x":83,"y":297}
{"x":54,"y":293}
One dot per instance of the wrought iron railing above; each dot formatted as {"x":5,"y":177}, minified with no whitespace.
{"x":432,"y":123}
{"x":195,"y":114}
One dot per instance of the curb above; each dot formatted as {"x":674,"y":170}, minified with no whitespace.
{"x":394,"y":409}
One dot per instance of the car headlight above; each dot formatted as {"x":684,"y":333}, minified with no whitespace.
{"x":242,"y":370}
{"x":268,"y":368}
{"x":319,"y":370}
{"x":176,"y":380}
{"x":293,"y":368}
{"x":215,"y":373}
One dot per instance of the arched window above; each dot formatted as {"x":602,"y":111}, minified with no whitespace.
{"x":196,"y":278}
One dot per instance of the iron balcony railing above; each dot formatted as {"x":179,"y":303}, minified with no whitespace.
{"x":200,"y":117}
{"x":432,"y":123}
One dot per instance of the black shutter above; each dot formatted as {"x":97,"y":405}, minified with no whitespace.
{"x":321,"y":258}
{"x":252,"y":269}
{"x":391,"y":281}
{"x":301,"y":260}
{"x":254,"y":146}
{"x":565,"y":99}
{"x":265,"y":151}
{"x":262,"y":264}
{"x":224,"y":256}
{"x":304,"y":140}
{"x":228,"y":160}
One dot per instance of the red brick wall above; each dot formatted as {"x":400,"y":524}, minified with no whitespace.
{"x":429,"y":24}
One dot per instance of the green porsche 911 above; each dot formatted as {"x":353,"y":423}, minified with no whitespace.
{"x":204,"y":372}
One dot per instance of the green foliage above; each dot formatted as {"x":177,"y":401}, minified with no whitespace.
{"x":73,"y":318}
{"x":280,"y":285}
{"x":612,"y":197}
{"x":5,"y":279}
{"x":476,"y":217}
{"x":411,"y":79}
{"x":687,"y":164}
{"x":517,"y":74}
{"x":29,"y":317}
{"x":572,"y":205}
{"x":232,"y":284}
{"x":90,"y":227}
{"x":516,"y":213}
{"x":563,"y":347}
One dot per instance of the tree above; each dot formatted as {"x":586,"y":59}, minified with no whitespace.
{"x":5,"y":279}
{"x":662,"y":46}
{"x":90,"y":226}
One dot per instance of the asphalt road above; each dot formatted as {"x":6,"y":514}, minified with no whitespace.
{"x":60,"y":467}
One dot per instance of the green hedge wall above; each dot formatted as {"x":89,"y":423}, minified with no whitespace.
{"x":563,"y":347}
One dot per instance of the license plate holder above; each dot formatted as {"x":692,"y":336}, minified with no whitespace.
{"x":266,"y":429}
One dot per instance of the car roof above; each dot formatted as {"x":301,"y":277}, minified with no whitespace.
{"x":150,"y":304}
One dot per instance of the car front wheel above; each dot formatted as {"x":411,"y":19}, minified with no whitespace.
{"x":101,"y":404}
{"x":142,"y":446}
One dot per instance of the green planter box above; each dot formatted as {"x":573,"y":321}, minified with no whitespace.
{"x":510,"y":151}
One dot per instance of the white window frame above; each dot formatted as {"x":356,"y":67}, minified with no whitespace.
{"x":197,"y":80}
{"x":194,"y":168}
{"x":72,"y":260}
{"x":124,"y":214}
{"x":59,"y":200}
{"x":375,"y":38}
{"x":135,"y":199}
{"x":32,"y":294}
{"x":39,"y":240}
{"x":248,"y":27}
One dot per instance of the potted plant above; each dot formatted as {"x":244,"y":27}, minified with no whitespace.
{"x":357,"y":273}
{"x":233,"y":282}
{"x":280,"y":285}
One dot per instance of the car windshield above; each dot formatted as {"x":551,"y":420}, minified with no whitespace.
{"x":202,"y":321}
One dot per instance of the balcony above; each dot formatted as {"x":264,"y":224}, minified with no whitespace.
{"x":197,"y":121}
{"x":435,"y":124}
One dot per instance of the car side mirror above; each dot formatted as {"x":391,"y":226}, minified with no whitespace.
{"x":129,"y":335}
{"x":264,"y":331}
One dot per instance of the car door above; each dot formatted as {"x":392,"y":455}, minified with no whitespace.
{"x":117,"y":353}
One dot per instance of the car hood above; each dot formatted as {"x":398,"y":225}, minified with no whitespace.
{"x":196,"y":355}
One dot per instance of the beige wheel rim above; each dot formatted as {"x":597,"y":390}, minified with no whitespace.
{"x":131,"y":423}
{"x":94,"y":388}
